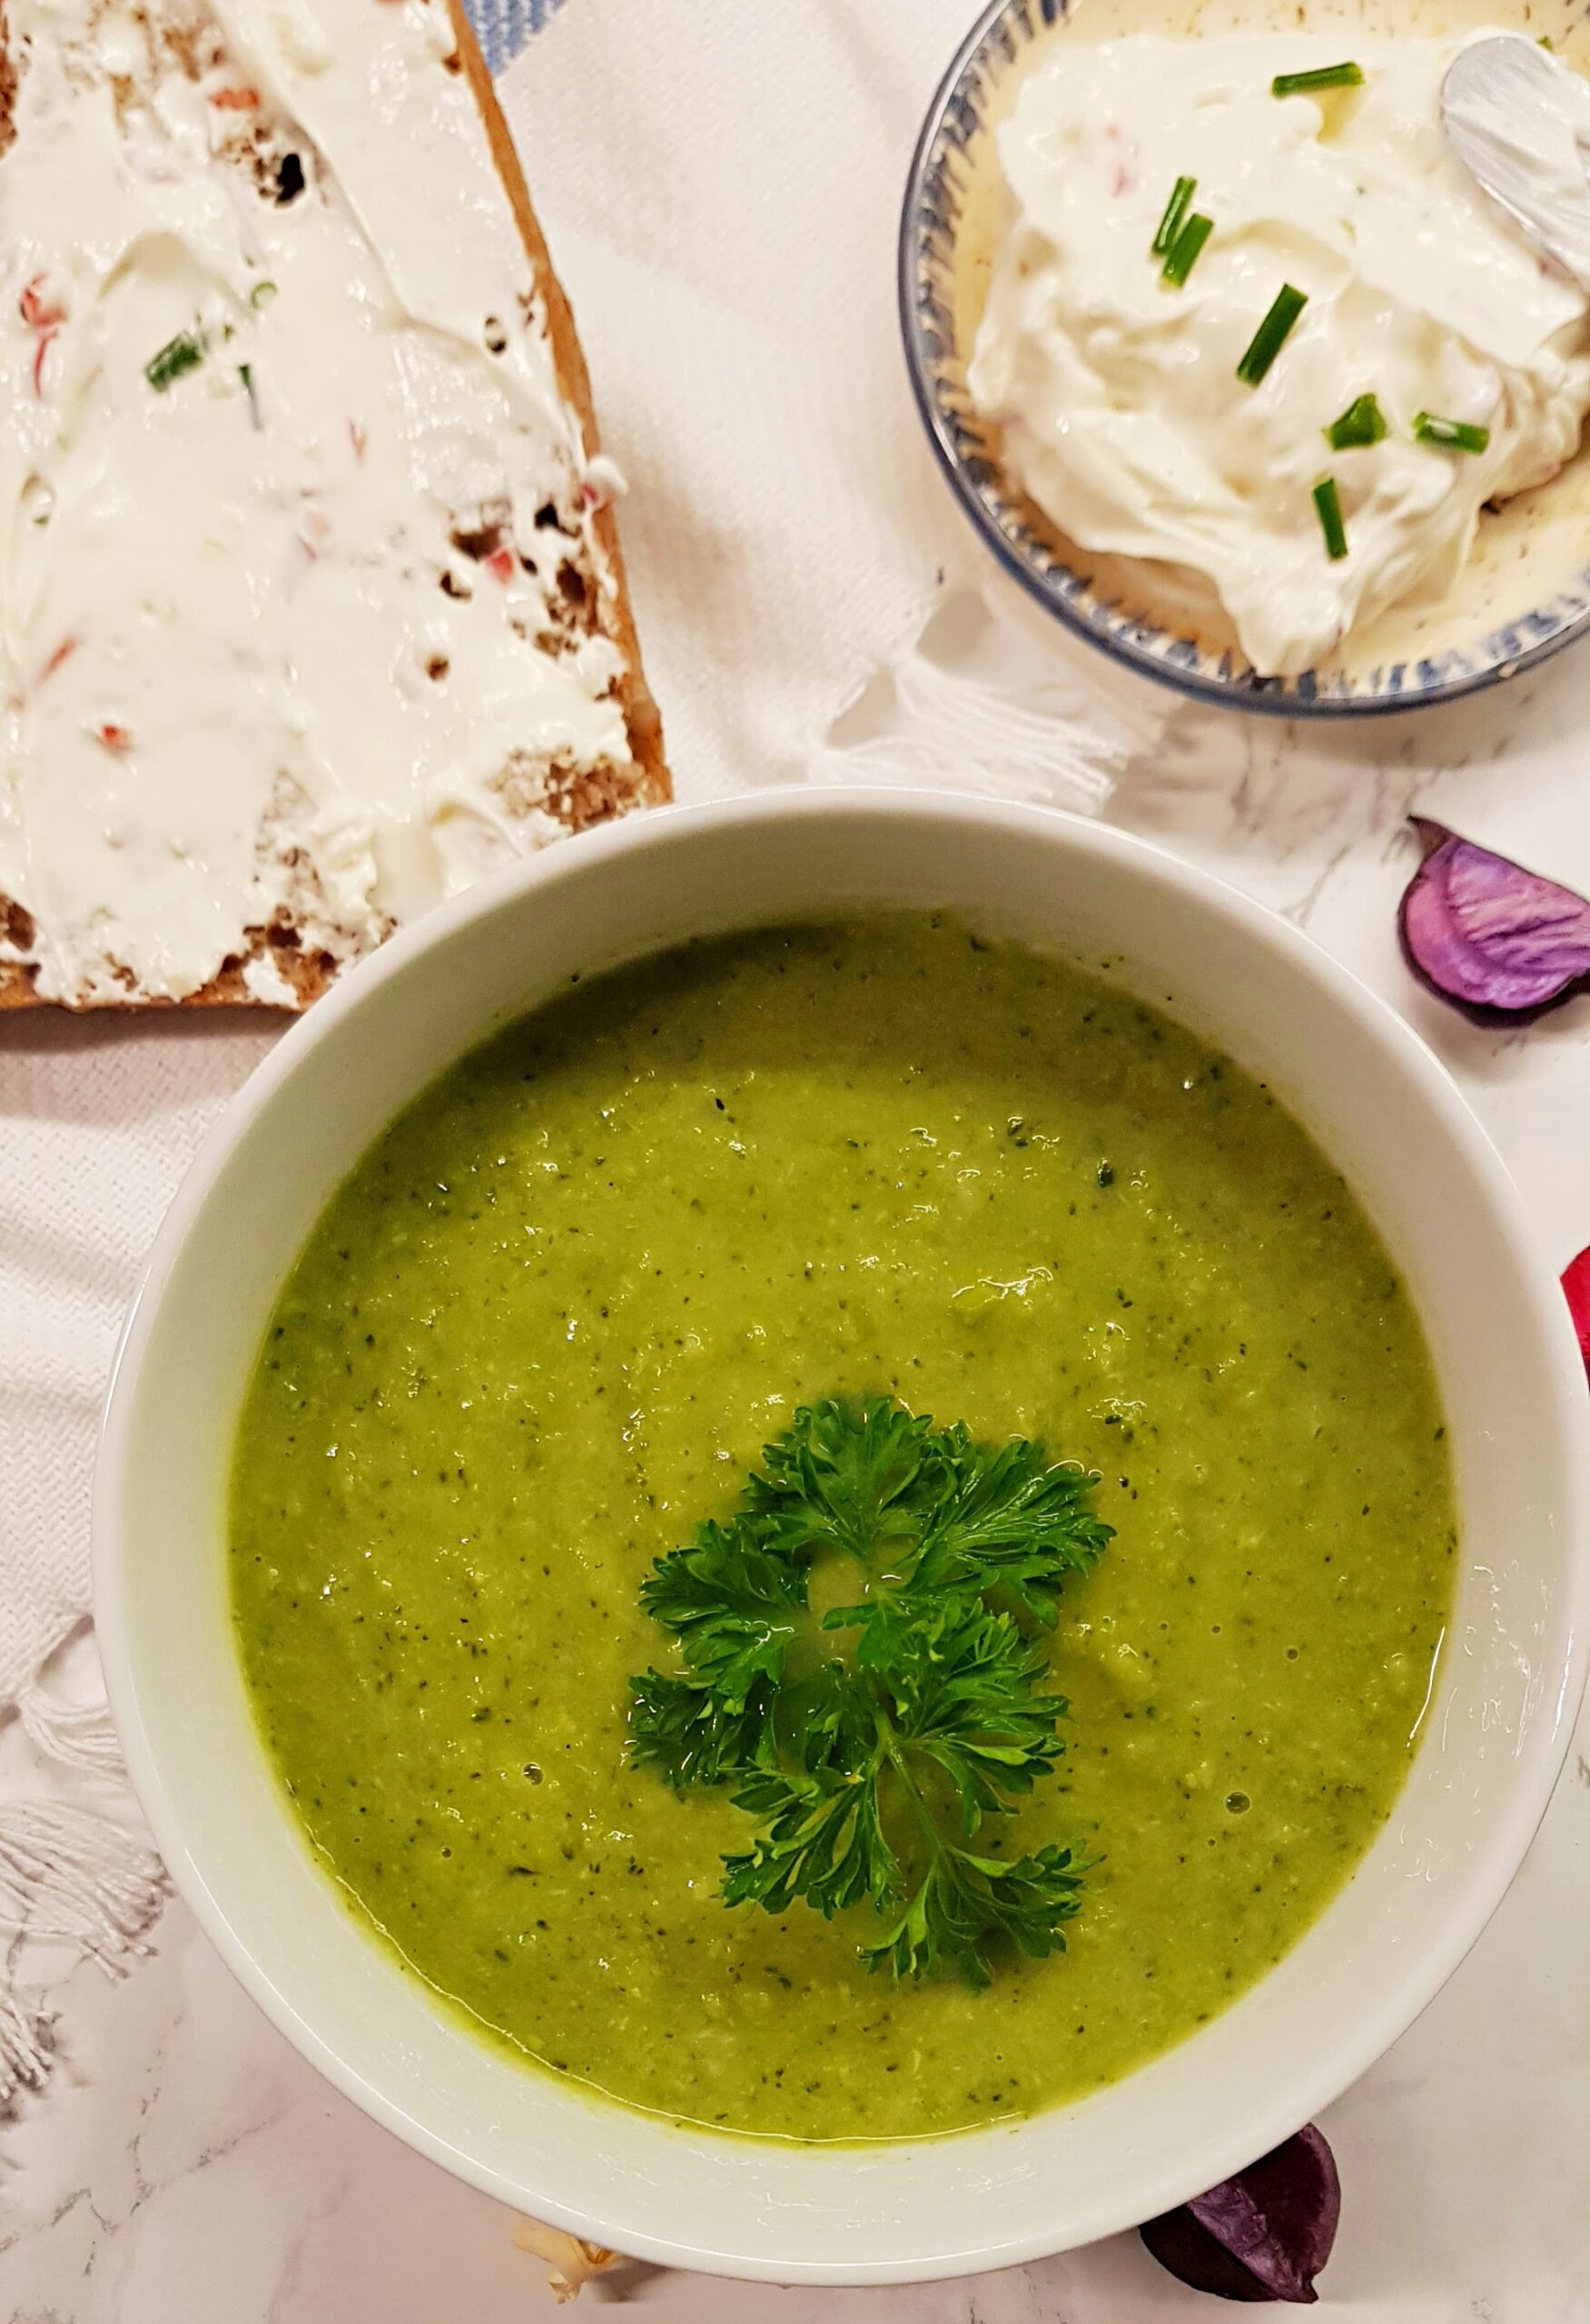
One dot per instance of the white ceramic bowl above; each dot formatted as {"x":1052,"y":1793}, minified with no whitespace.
{"x":1493,"y":1739}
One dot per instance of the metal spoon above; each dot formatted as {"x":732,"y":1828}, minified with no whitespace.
{"x":1520,"y":124}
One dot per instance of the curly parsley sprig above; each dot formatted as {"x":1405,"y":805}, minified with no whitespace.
{"x":871,"y":1747}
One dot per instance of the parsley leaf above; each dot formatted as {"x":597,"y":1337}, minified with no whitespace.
{"x":825,"y":1842}
{"x":1009,"y":1521}
{"x":965,"y":1899}
{"x":871,"y":1746}
{"x":963,"y":1689}
{"x":732,"y":1604}
{"x":836,"y":1480}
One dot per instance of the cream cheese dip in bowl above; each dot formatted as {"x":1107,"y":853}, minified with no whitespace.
{"x":1327,"y":456}
{"x":1165,"y":945}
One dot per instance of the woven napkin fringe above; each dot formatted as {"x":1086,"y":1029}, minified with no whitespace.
{"x":76,"y":1735}
{"x":75,"y":1880}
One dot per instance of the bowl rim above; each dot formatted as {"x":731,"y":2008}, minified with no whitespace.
{"x":1497,"y":1858}
{"x":1300,"y":696}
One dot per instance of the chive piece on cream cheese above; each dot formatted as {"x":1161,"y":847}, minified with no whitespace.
{"x":1452,"y":435}
{"x":1183,"y":254}
{"x":1176,"y":209}
{"x":1327,"y":501}
{"x":262,"y":294}
{"x":1323,"y":77}
{"x":1363,"y":422}
{"x":1268,"y":340}
{"x":184,"y":353}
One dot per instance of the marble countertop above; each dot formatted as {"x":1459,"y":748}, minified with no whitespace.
{"x":183,"y":2165}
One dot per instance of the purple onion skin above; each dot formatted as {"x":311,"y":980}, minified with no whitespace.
{"x":1498,"y":942}
{"x":1263,"y":2235}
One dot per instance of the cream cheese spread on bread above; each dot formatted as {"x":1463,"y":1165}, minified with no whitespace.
{"x":1117,"y":393}
{"x":303,"y":617}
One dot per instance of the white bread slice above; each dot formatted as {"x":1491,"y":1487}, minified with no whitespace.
{"x":174,"y":828}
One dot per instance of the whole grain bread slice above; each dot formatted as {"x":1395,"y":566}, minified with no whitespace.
{"x":577,"y":798}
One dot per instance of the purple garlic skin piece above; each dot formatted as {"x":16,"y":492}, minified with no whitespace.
{"x":1498,"y":942}
{"x":1263,"y":2235}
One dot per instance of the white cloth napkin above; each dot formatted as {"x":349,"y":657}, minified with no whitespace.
{"x":98,"y":1120}
{"x":721,"y":187}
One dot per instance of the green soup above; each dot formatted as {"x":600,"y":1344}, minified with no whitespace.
{"x":542,"y":1332}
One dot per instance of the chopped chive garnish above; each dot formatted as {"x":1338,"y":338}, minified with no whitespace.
{"x":1176,"y":209}
{"x":180,"y":354}
{"x":1327,"y":501}
{"x":245,"y":372}
{"x":1268,"y":340}
{"x":1363,"y":422}
{"x":1452,"y":435}
{"x":1182,"y":255}
{"x":262,"y":294}
{"x":1323,"y":77}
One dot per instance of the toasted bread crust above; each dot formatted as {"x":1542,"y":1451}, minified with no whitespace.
{"x":577,"y":800}
{"x":640,"y":712}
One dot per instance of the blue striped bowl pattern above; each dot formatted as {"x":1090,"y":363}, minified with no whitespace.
{"x":502,"y":27}
{"x":935,"y":193}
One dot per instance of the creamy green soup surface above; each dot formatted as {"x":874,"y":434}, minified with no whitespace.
{"x":544,"y":1328}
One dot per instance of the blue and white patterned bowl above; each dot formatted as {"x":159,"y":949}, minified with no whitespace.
{"x":943,"y":172}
